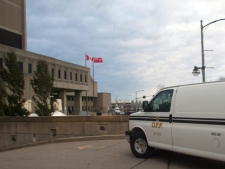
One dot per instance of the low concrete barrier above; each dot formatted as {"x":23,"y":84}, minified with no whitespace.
{"x":20,"y":131}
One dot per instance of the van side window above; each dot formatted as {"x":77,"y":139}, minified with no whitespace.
{"x":161,"y":102}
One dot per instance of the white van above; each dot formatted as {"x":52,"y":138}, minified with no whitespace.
{"x":188,"y":119}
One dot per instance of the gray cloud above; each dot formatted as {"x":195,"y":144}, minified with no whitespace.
{"x":143,"y":43}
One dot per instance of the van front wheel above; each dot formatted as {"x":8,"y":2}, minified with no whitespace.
{"x":139,"y":146}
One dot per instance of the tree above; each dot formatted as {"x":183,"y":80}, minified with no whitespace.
{"x":42,"y":84}
{"x":13,"y":77}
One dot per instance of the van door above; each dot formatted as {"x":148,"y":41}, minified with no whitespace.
{"x":159,"y":120}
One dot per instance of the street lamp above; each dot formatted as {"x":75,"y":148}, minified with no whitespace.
{"x":202,"y":47}
{"x":136,"y":97}
{"x":196,"y":71}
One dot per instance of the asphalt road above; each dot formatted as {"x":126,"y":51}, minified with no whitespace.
{"x":102,"y":154}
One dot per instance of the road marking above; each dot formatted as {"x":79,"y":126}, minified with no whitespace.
{"x":84,"y":147}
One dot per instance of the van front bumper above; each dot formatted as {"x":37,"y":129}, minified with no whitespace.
{"x":128,"y":135}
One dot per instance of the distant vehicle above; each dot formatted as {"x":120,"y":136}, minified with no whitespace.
{"x":116,"y":111}
{"x":187,"y":119}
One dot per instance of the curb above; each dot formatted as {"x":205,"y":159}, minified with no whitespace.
{"x":71,"y":139}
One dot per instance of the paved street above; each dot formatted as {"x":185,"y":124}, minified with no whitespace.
{"x":104,"y":154}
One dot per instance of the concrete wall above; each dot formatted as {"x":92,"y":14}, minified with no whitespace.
{"x":19,"y":131}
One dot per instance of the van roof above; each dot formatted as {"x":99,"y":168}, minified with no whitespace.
{"x":195,"y":84}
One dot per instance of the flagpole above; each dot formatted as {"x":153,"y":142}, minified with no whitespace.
{"x":93,"y":83}
{"x":87,"y":76}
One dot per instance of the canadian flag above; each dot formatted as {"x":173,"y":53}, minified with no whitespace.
{"x":97,"y":60}
{"x":89,"y":58}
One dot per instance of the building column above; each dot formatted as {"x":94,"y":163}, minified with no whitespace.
{"x":78,"y":102}
{"x":62,"y":95}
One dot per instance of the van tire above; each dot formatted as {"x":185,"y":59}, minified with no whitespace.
{"x":139,"y":146}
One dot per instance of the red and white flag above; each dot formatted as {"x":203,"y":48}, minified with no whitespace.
{"x":97,"y":60}
{"x":89,"y":58}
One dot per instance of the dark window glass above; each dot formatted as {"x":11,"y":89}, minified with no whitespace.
{"x":53,"y":72}
{"x":75,"y":76}
{"x":85,"y":78}
{"x":71,"y":76}
{"x":59,"y":74}
{"x":64,"y":74}
{"x":81,"y":78}
{"x":1,"y":63}
{"x":10,"y":39}
{"x":29,"y":68}
{"x":21,"y":66}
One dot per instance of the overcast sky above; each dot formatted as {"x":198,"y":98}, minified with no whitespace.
{"x":143,"y":43}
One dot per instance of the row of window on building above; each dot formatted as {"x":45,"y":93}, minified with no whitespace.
{"x":59,"y":75}
{"x":84,"y":108}
{"x":71,"y":98}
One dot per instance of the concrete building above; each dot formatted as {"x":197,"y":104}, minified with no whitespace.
{"x":104,"y":103}
{"x":72,"y":83}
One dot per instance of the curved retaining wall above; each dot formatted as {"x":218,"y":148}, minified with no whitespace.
{"x":20,"y":131}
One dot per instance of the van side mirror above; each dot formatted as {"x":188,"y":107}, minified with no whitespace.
{"x":145,"y":105}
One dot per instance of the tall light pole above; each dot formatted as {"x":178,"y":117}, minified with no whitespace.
{"x":196,"y":69}
{"x":136,"y":97}
{"x":203,"y":57}
{"x":116,"y":98}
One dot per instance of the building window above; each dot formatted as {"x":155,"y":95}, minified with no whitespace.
{"x":75,"y":76}
{"x":85,"y":79}
{"x":1,"y":63}
{"x":21,"y":66}
{"x":53,"y":72}
{"x":81,"y":78}
{"x":71,"y":76}
{"x":29,"y":68}
{"x":59,"y":74}
{"x":64,"y":74}
{"x":10,"y":39}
